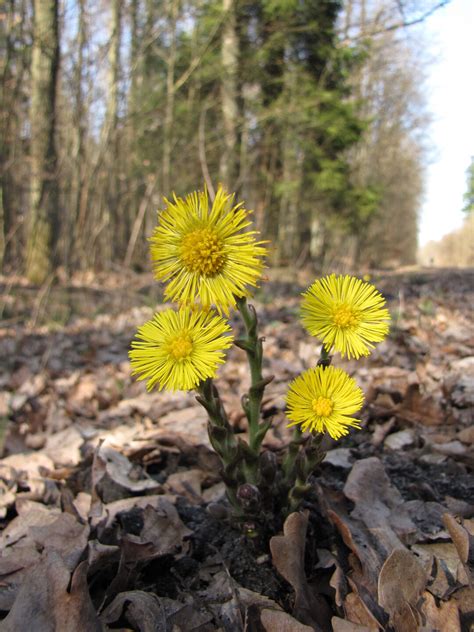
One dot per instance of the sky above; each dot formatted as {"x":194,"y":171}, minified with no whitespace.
{"x":450,"y":32}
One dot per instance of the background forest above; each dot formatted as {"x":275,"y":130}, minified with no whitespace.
{"x":311,"y":111}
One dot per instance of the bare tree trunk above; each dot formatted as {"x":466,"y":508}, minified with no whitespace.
{"x":6,"y":219}
{"x":109,"y":221}
{"x":229,"y":93}
{"x":43,"y":221}
{"x":170,"y":94}
{"x":79,"y":136}
{"x":114,"y":61}
{"x":292,"y":162}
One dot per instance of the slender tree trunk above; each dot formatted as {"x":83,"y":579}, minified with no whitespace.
{"x":6,"y":220}
{"x":79,"y":136}
{"x":44,"y":220}
{"x":170,"y":94}
{"x":110,"y":236}
{"x":229,"y":94}
{"x":292,"y":162}
{"x":134,"y":56}
{"x":114,"y":62}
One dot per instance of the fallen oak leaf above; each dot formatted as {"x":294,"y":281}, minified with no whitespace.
{"x":141,"y":609}
{"x":15,"y":564}
{"x":357,"y":610}
{"x":463,"y":541}
{"x":341,"y":625}
{"x":163,"y":529}
{"x":464,"y":599}
{"x":65,"y":536}
{"x":273,"y":620}
{"x":401,"y":582}
{"x":379,"y":505}
{"x":442,"y":617}
{"x":50,"y":600}
{"x":366,"y":558}
{"x":288,"y":558}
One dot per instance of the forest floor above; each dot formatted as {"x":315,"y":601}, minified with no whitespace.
{"x":111,"y":506}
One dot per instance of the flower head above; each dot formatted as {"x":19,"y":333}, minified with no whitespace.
{"x":206,"y":253}
{"x":346,"y":314}
{"x":178,"y":349}
{"x":323,"y":400}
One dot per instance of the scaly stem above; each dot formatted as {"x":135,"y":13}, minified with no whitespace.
{"x":252,"y":402}
{"x":222,"y":438}
{"x":288,"y":465}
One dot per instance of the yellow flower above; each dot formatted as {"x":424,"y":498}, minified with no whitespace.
{"x":323,"y":400}
{"x":346,"y":314}
{"x":176,"y":350}
{"x":206,"y":253}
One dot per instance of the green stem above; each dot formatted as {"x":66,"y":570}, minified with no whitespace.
{"x":288,"y":465}
{"x":305,"y":463}
{"x":221,"y":435}
{"x":252,"y":402}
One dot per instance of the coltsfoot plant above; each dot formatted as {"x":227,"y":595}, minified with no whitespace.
{"x":210,"y":258}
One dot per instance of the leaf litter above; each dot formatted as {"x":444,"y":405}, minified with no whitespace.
{"x":112,"y":508}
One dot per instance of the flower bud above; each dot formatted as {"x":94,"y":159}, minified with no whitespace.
{"x":268,"y":466}
{"x":248,"y":496}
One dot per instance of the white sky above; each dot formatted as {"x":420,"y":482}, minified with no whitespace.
{"x":451,"y":101}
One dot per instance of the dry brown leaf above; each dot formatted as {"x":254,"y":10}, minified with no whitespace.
{"x":163,"y":532}
{"x":15,"y":564}
{"x":288,"y":550}
{"x":28,"y":465}
{"x":120,"y":478}
{"x":357,"y":612}
{"x":464,"y":599}
{"x":401,"y":582}
{"x":288,"y":557}
{"x":141,"y":609}
{"x":49,"y":600}
{"x":459,"y":535}
{"x":30,"y":513}
{"x":445,"y":551}
{"x":339,"y":457}
{"x":357,"y":541}
{"x":63,"y":447}
{"x":98,"y":554}
{"x":187,"y":484}
{"x":111,"y":510}
{"x":382,"y":430}
{"x":341,"y":625}
{"x":444,"y":617}
{"x":379,"y":505}
{"x":338,"y":579}
{"x":273,"y":620}
{"x":441,"y":583}
{"x":64,"y":536}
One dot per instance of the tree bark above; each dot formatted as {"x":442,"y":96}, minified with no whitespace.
{"x":170,"y":94}
{"x":44,"y":219}
{"x":229,"y":94}
{"x":79,"y":132}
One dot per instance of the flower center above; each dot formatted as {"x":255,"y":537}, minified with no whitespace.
{"x":202,"y":252}
{"x":180,"y":347}
{"x":344,"y":317}
{"x":322,"y":406}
